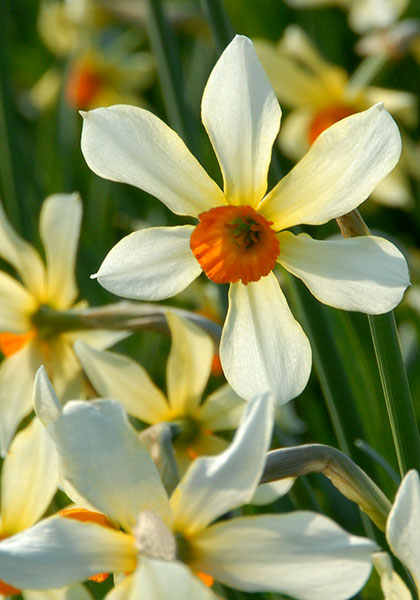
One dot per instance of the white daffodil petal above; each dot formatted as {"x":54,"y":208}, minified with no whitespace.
{"x":189,"y":364}
{"x":29,"y":479}
{"x":365,"y":15}
{"x":59,"y":227}
{"x":21,"y":255}
{"x":301,"y":554}
{"x":269,"y":492}
{"x":16,"y":305}
{"x":222,"y":410}
{"x":294,"y":136}
{"x":160,"y":580}
{"x":96,"y":338}
{"x":151,"y":264}
{"x":76,"y":591}
{"x":367,"y":273}
{"x":17,"y":373}
{"x":403,"y":525}
{"x":263,"y":348}
{"x":242,"y":117}
{"x":72,"y":550}
{"x":212,"y":486}
{"x":131,"y":145}
{"x":393,"y":587}
{"x":339,"y":171}
{"x":120,"y":377}
{"x":105,"y":462}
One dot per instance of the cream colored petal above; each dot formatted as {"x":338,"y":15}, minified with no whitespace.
{"x":151,"y":264}
{"x":242,"y":117}
{"x":161,"y":580}
{"x":393,"y":587}
{"x":402,"y":105}
{"x":96,"y":338}
{"x":189,"y":364}
{"x":367,"y":274}
{"x":301,"y":554}
{"x":394,"y":190}
{"x":295,"y":85}
{"x":16,"y":305}
{"x":403,"y":525}
{"x":263,"y":348}
{"x":21,"y":255}
{"x":59,"y":226}
{"x":221,"y":410}
{"x":131,"y":145}
{"x":266,"y":493}
{"x":29,"y":478}
{"x":102,"y":457}
{"x":72,"y":551}
{"x":120,"y":377}
{"x":76,"y":591}
{"x":17,"y":373}
{"x":340,"y":170}
{"x":294,"y":133}
{"x":374,"y":14}
{"x":213,"y":486}
{"x":64,"y":368}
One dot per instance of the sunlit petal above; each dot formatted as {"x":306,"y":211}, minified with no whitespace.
{"x":151,"y":264}
{"x":263,"y":348}
{"x":340,"y":170}
{"x":242,"y":117}
{"x":131,"y":145}
{"x":230,"y":478}
{"x":367,"y":273}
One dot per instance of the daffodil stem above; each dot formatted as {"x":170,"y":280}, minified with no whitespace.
{"x":220,"y":25}
{"x":346,"y":476}
{"x":165,"y":49}
{"x":396,"y":391}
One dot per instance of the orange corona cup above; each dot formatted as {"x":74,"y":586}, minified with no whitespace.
{"x":326,"y":117}
{"x":234,"y":243}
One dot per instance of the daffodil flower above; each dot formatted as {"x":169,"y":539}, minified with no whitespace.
{"x":188,"y":369}
{"x":24,"y":343}
{"x":403,"y":536}
{"x":241,"y":234}
{"x":319,"y":94}
{"x":362,"y":14}
{"x":171,"y":543}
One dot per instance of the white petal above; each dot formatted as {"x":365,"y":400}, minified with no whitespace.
{"x":103,"y":459}
{"x":59,"y":226}
{"x":403,"y":525}
{"x":76,"y":591}
{"x":17,"y":373}
{"x":29,"y":479}
{"x":120,"y":377}
{"x":221,"y":410}
{"x":96,"y":338}
{"x":393,"y":587}
{"x":131,"y":145}
{"x":189,"y":364}
{"x":59,"y":551}
{"x":151,"y":264}
{"x":21,"y":255}
{"x":302,"y":554}
{"x":242,"y":117}
{"x":340,"y":170}
{"x":367,"y":273}
{"x":160,"y":580}
{"x":16,"y":305}
{"x":263,"y":348}
{"x":377,"y":14}
{"x":212,"y":486}
{"x":269,"y":492}
{"x":294,"y":136}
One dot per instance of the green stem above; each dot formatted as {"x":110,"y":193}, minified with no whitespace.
{"x":220,"y":25}
{"x":396,"y":391}
{"x":165,"y":49}
{"x":345,"y":475}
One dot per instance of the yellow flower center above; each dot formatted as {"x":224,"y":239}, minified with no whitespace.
{"x":326,"y":117}
{"x":234,"y":243}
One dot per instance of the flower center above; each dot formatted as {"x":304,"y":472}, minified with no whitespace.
{"x":13,"y":342}
{"x":234,"y":243}
{"x":326,"y":117}
{"x":83,"y":84}
{"x":89,"y":516}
